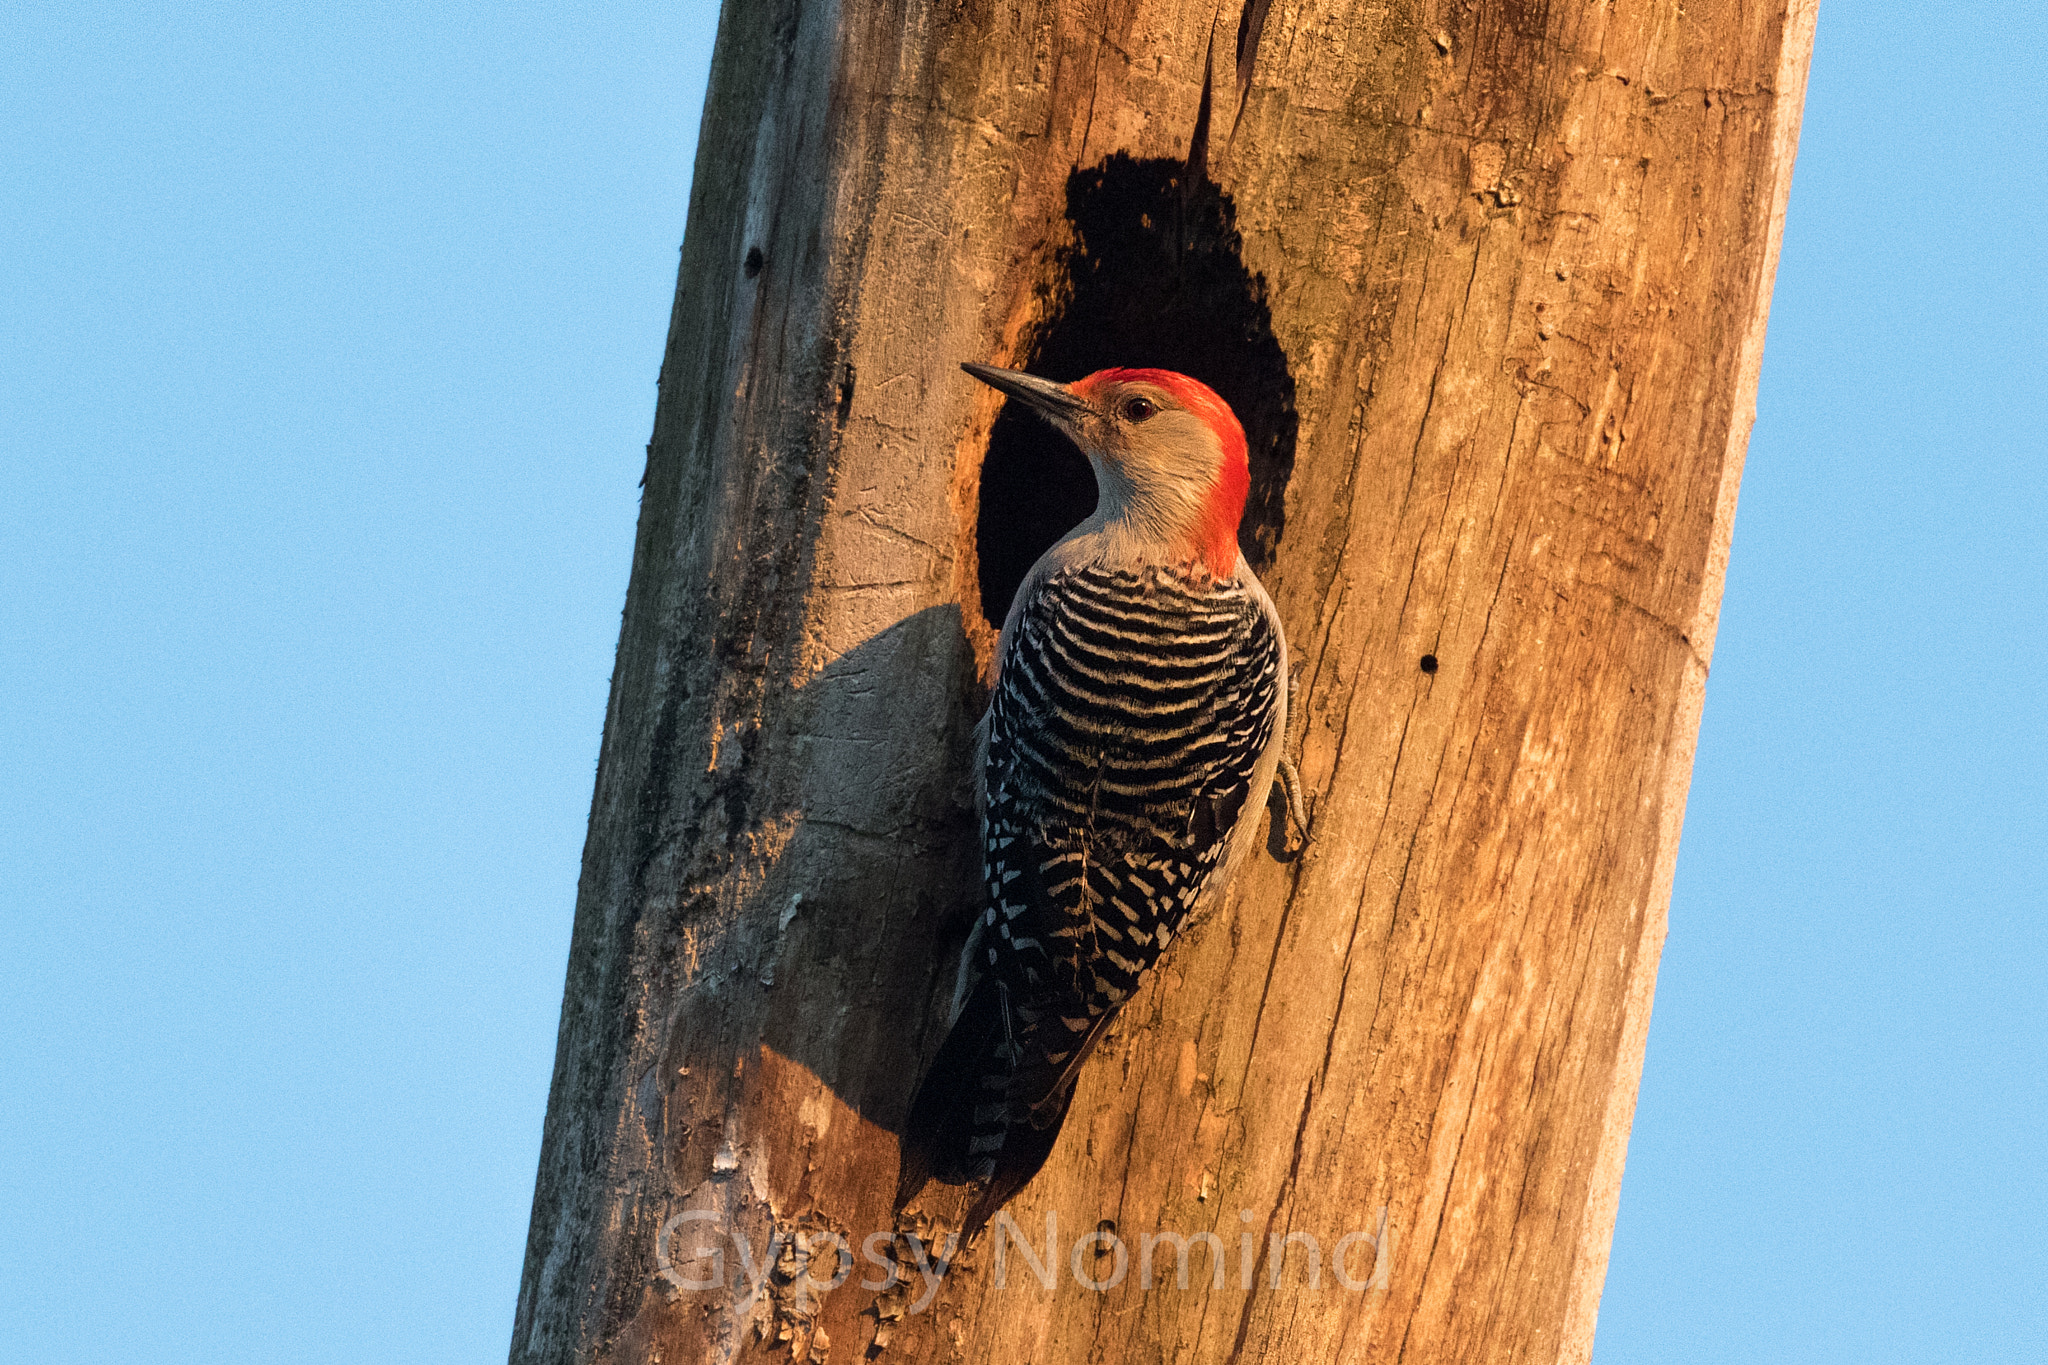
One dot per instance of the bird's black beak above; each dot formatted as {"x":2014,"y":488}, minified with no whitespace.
{"x":1056,"y":403}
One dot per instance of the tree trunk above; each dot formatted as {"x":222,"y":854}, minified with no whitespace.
{"x":1487,"y":284}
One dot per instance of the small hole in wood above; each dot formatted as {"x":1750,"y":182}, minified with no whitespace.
{"x":845,"y":397}
{"x":1429,"y":663}
{"x":754,"y":261}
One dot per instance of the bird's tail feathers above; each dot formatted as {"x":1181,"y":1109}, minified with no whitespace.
{"x":957,"y":1119}
{"x":991,"y":1106}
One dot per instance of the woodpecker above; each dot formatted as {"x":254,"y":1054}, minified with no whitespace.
{"x":1137,"y":723}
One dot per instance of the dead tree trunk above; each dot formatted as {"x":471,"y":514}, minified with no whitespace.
{"x":1487,"y":284}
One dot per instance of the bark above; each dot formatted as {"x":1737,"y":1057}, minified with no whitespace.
{"x":1487,"y":283}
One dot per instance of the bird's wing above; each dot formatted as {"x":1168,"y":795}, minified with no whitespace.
{"x":1123,"y":747}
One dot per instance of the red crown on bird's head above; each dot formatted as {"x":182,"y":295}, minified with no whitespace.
{"x":1215,"y":536}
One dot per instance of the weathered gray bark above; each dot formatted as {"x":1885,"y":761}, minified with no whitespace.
{"x":1492,"y":307}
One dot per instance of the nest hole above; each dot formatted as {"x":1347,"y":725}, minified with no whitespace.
{"x":1155,"y":278}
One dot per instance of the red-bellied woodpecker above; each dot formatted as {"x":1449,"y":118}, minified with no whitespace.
{"x":1137,"y":724}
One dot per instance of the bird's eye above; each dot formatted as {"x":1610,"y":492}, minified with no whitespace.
{"x":1138,"y":409}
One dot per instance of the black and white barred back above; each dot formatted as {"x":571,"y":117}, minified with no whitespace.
{"x":1132,"y":713}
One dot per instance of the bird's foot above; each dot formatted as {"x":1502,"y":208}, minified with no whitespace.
{"x":1297,"y":807}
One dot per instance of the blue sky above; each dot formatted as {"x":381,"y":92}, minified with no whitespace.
{"x":327,"y":359}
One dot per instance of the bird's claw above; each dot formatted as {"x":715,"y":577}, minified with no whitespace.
{"x":1297,"y":808}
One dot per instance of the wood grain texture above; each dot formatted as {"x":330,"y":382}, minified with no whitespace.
{"x":1517,"y":259}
